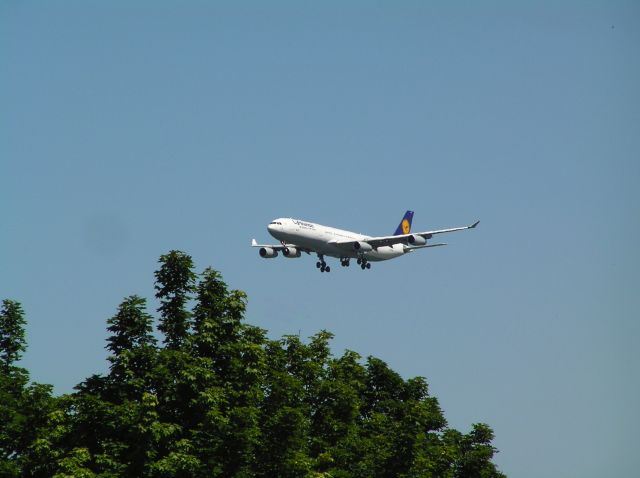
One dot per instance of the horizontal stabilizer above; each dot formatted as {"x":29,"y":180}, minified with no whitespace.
{"x":411,"y":248}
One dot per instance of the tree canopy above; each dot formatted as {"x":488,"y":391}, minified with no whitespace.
{"x":219,"y":398}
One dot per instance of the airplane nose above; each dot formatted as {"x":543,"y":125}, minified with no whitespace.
{"x":274,"y":226}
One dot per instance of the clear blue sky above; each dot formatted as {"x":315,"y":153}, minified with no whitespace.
{"x":131,"y":128}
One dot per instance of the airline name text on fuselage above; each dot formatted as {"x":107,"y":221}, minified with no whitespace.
{"x":302,"y":223}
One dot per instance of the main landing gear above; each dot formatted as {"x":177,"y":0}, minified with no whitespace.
{"x":344,"y":262}
{"x":322,"y":265}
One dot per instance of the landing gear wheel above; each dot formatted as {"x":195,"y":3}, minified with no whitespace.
{"x":368,"y":266}
{"x":359,"y":261}
{"x":362,"y":266}
{"x":321,"y":264}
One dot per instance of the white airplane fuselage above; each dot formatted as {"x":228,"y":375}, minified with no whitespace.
{"x":316,"y":237}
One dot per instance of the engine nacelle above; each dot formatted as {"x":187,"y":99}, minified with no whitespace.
{"x":291,"y":252}
{"x":362,"y":246}
{"x":416,"y":240}
{"x":268,"y":253}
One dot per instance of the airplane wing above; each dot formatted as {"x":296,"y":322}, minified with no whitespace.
{"x":406,"y":238}
{"x":275,"y":247}
{"x":279,"y":247}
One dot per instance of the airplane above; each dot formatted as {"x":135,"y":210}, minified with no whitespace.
{"x":297,"y":236}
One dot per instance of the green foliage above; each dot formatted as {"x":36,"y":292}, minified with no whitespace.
{"x":24,"y":407}
{"x":174,"y":283}
{"x":12,"y":341}
{"x":133,"y":350}
{"x":130,"y":328}
{"x":219,"y":399}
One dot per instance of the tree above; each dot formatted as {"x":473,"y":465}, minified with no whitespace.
{"x":111,"y":418}
{"x":284,"y":422}
{"x":231,"y":367}
{"x":174,"y":283}
{"x":24,"y":407}
{"x":12,"y":341}
{"x":132,"y":346}
{"x":219,"y":399}
{"x":474,"y":453}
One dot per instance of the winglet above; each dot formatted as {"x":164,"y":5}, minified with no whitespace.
{"x":254,"y":243}
{"x":472,"y":226}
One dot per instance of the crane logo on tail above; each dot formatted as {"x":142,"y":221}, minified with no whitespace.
{"x":405,"y":225}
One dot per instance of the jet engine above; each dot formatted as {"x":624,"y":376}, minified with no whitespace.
{"x":416,"y":240}
{"x":291,"y":252}
{"x":362,"y":246}
{"x":268,"y":253}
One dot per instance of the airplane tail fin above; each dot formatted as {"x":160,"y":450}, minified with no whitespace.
{"x":405,"y":225}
